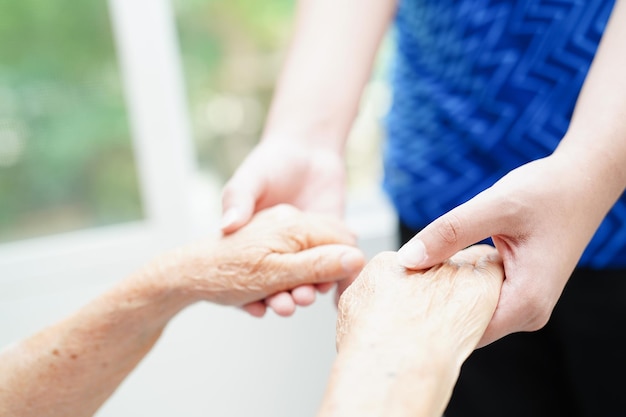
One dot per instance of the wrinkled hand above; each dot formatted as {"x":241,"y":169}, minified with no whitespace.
{"x":403,"y":335}
{"x":311,"y":179}
{"x":449,"y":305}
{"x":281,"y":248}
{"x":540,"y":216}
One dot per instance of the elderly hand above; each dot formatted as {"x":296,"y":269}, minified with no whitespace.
{"x":451,"y":303}
{"x":281,"y":248}
{"x":403,"y":335}
{"x":311,"y":178}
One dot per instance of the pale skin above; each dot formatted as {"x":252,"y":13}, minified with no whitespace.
{"x":52,"y":373}
{"x":553,"y":205}
{"x":403,"y":335}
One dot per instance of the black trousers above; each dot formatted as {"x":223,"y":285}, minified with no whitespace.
{"x":574,"y":367}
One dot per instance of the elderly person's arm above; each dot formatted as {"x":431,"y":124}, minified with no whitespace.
{"x":402,"y":335}
{"x":71,"y":368}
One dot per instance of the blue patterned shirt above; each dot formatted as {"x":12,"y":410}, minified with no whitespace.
{"x":481,"y":87}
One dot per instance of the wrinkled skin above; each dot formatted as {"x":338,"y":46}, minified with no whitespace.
{"x":403,"y":335}
{"x":280,"y":249}
{"x":73,"y":366}
{"x":309,"y":178}
{"x":453,"y":300}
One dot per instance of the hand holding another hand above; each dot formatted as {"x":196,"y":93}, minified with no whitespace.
{"x":403,"y":335}
{"x":279,"y":249}
{"x":449,"y":304}
{"x":311,"y":178}
{"x":284,"y":172}
{"x":540,"y":216}
{"x":73,"y":366}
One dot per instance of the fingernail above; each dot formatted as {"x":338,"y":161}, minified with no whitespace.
{"x":229,"y":218}
{"x":352,"y":262}
{"x":412,"y":254}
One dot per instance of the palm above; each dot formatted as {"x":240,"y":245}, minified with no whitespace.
{"x":312,"y":180}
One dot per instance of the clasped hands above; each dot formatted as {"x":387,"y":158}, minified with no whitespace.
{"x":417,"y":325}
{"x":283,"y":248}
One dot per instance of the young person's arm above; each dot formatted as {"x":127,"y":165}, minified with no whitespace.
{"x":299,"y":160}
{"x":549,"y":206}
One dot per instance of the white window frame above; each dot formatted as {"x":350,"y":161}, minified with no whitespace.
{"x":147,"y":49}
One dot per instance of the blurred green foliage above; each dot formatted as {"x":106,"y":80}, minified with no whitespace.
{"x":66,"y":161}
{"x":231,"y":51}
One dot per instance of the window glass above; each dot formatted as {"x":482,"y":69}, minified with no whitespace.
{"x":232,"y":52}
{"x":66,"y":159}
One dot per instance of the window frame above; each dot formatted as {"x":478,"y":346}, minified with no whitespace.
{"x":151,"y":71}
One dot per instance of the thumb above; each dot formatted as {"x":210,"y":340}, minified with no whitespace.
{"x":325,"y":263}
{"x":461,"y":227}
{"x":239,"y":199}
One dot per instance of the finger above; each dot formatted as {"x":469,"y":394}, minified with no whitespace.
{"x":324,"y":287}
{"x":486,"y":260}
{"x":282,"y":303}
{"x":485,"y":283}
{"x":255,"y":309}
{"x":303,"y":295}
{"x":326,"y":263}
{"x":239,"y":199}
{"x":463,"y":226}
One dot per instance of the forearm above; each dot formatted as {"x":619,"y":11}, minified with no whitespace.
{"x":596,"y":139}
{"x":391,"y":381}
{"x":71,"y":368}
{"x":330,"y":60}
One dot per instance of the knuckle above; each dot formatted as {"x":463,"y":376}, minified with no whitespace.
{"x":319,"y":271}
{"x":449,"y":229}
